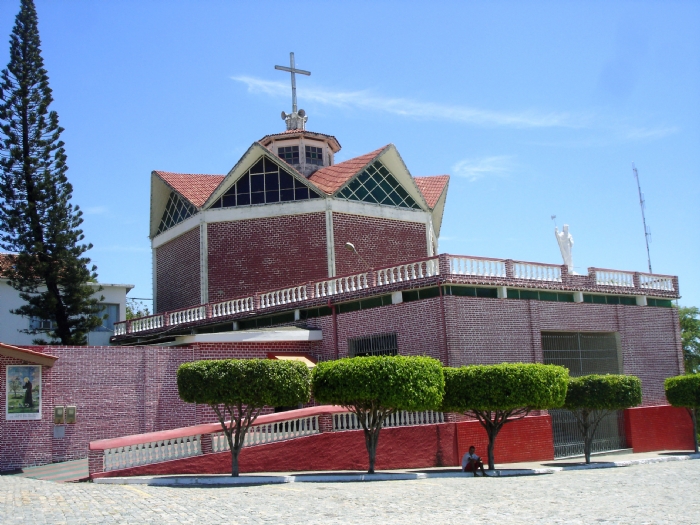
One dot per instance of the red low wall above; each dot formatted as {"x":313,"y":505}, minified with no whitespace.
{"x":407,"y":447}
{"x":659,"y":428}
{"x":527,"y":439}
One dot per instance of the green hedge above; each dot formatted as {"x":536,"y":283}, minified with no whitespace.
{"x":603,"y":392}
{"x":683,"y":391}
{"x":256,"y":382}
{"x":400,"y":382}
{"x":505,"y":387}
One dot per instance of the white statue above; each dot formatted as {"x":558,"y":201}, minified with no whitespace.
{"x":566,"y":242}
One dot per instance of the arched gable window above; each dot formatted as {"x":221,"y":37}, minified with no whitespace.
{"x":265,"y":183}
{"x":376,"y":184}
{"x":176,"y":211}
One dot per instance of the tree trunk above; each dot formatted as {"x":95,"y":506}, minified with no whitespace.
{"x":694,"y":417}
{"x":587,"y":436}
{"x":234,"y":454}
{"x":371,"y":440}
{"x":234,"y":462}
{"x":492,"y":433}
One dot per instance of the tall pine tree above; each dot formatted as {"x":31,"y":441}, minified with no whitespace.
{"x":38,"y":223}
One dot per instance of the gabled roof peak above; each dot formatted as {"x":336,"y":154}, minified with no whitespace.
{"x":331,"y":178}
{"x":196,"y":188}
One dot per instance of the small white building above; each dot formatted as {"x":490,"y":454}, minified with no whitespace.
{"x":114,"y":304}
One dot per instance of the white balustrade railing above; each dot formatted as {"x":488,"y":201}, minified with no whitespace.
{"x":536,"y":272}
{"x":350,"y":283}
{"x":187,"y":316}
{"x":284,"y":296}
{"x":614,"y":278}
{"x":153,"y":452}
{"x":270,"y":433}
{"x":408,"y":272}
{"x":655,"y":282}
{"x":120,"y":328}
{"x":234,"y":306}
{"x":146,"y":323}
{"x":349,"y":421}
{"x":477,"y":267}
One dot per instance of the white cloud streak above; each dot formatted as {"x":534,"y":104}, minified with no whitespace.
{"x":95,"y":210}
{"x":475,"y":169}
{"x":414,"y":108}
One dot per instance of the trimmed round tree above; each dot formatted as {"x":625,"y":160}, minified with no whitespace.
{"x":498,"y":394}
{"x":684,"y":391}
{"x":591,"y":398}
{"x":373,"y":388}
{"x":238,"y":389}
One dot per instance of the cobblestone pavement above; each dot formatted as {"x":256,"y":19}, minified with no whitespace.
{"x":658,"y":493}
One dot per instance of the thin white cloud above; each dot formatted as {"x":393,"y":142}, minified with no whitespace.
{"x":415,"y":108}
{"x":95,"y":210}
{"x":120,"y":249}
{"x":649,"y":133}
{"x":475,"y":169}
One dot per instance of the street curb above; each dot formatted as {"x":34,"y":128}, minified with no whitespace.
{"x":252,"y":480}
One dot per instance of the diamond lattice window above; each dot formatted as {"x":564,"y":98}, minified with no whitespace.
{"x":265,"y":183}
{"x":376,"y":184}
{"x":176,"y":211}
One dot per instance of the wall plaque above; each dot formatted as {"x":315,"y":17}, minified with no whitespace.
{"x":23,"y":392}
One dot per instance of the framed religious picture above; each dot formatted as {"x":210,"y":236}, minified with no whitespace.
{"x":23,"y":392}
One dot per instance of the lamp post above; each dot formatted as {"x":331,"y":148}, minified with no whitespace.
{"x":351,"y":248}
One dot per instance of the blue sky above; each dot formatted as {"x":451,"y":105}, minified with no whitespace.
{"x":534,"y":108}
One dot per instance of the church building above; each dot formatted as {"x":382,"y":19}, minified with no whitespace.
{"x":290,"y":255}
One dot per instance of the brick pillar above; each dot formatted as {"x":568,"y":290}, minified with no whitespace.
{"x":509,"y":268}
{"x":444,"y":263}
{"x":95,"y":461}
{"x":325,"y":423}
{"x":205,"y":444}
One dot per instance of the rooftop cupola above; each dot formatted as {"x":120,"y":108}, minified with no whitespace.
{"x":305,"y":150}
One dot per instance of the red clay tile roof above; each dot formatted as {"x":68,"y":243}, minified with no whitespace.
{"x":331,"y":178}
{"x":432,"y":187}
{"x":194,"y":187}
{"x":5,"y":263}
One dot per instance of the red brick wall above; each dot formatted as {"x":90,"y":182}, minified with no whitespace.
{"x":118,"y":391}
{"x":380,"y":242}
{"x":417,"y":324}
{"x":178,"y":273}
{"x":659,"y":428}
{"x":527,"y":439}
{"x":265,"y":254}
{"x":489,"y":331}
{"x":25,"y":442}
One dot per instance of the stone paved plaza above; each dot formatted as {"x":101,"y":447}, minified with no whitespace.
{"x":657,"y":493}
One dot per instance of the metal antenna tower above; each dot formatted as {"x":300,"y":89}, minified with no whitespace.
{"x":647,"y":232}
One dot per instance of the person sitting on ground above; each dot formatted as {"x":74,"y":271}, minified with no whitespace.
{"x":471,"y":462}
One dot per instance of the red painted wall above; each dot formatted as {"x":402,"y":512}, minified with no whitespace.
{"x":177,"y":273}
{"x":527,"y":439}
{"x":380,"y":242}
{"x":408,"y":447}
{"x":118,"y":391}
{"x":659,"y":428}
{"x":265,"y":254}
